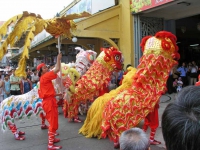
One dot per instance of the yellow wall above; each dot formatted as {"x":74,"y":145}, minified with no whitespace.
{"x":116,"y":23}
{"x":126,"y":32}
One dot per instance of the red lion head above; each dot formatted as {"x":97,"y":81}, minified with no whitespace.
{"x":113,"y":57}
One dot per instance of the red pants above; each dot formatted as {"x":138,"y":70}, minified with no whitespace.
{"x":152,"y":119}
{"x":103,"y":90}
{"x":51,"y":109}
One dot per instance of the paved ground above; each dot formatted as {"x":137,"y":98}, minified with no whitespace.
{"x":36,"y":139}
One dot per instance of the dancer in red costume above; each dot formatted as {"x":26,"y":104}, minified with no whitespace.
{"x":103,"y":90}
{"x":19,"y":135}
{"x":152,"y":121}
{"x":47,"y":93}
{"x":198,"y":83}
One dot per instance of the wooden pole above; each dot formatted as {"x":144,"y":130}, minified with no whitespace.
{"x":60,"y":65}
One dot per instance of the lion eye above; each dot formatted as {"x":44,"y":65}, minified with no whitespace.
{"x":117,"y":58}
{"x":91,"y":57}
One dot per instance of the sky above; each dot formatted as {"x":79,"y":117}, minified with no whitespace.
{"x":46,"y":8}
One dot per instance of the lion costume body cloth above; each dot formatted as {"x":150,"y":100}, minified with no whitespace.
{"x":127,"y":107}
{"x":94,"y":79}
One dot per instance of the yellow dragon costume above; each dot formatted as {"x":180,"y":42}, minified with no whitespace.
{"x":125,"y":107}
{"x":30,"y":25}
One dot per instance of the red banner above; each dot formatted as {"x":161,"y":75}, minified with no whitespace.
{"x":141,"y":5}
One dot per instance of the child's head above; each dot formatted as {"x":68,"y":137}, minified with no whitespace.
{"x":179,"y":79}
{"x":6,"y":76}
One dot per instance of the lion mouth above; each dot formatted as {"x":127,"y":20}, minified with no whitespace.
{"x":117,"y":66}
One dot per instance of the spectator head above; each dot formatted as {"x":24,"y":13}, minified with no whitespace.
{"x":27,"y":70}
{"x":13,"y":71}
{"x":179,"y":78}
{"x":181,"y":120}
{"x":6,"y":76}
{"x":183,"y":64}
{"x":128,"y":66}
{"x":134,"y":139}
{"x":194,"y":63}
{"x":34,"y":71}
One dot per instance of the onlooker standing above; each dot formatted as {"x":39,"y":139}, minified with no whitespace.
{"x":28,"y":72}
{"x":193,"y":73}
{"x":120,"y":75}
{"x":175,"y":73}
{"x":34,"y":78}
{"x":183,"y":71}
{"x":25,"y":85}
{"x":15,"y":82}
{"x":6,"y":86}
{"x":134,"y":139}
{"x":125,"y":72}
{"x":113,"y":81}
{"x":188,"y":73}
{"x":2,"y":74}
{"x":1,"y":89}
{"x":179,"y":85}
{"x":175,"y":83}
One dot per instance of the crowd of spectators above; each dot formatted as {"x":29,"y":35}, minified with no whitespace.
{"x":186,"y":73}
{"x":10,"y":84}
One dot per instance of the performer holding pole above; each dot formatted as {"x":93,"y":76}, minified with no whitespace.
{"x":47,"y":93}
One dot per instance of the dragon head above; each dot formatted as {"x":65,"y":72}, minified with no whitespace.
{"x":112,"y":57}
{"x":84,"y":60}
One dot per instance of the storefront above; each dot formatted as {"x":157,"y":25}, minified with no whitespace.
{"x":177,"y":16}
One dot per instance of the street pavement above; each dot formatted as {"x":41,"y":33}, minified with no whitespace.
{"x":36,"y":139}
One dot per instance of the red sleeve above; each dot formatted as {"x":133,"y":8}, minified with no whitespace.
{"x":21,"y":87}
{"x":197,"y":83}
{"x":49,"y":76}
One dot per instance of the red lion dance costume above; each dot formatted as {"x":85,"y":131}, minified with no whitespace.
{"x":130,"y":105}
{"x":93,"y":80}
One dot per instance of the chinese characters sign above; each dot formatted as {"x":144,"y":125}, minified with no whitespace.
{"x":141,"y":5}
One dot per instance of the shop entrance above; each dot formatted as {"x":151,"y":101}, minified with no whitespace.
{"x":188,"y":35}
{"x":182,"y":18}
